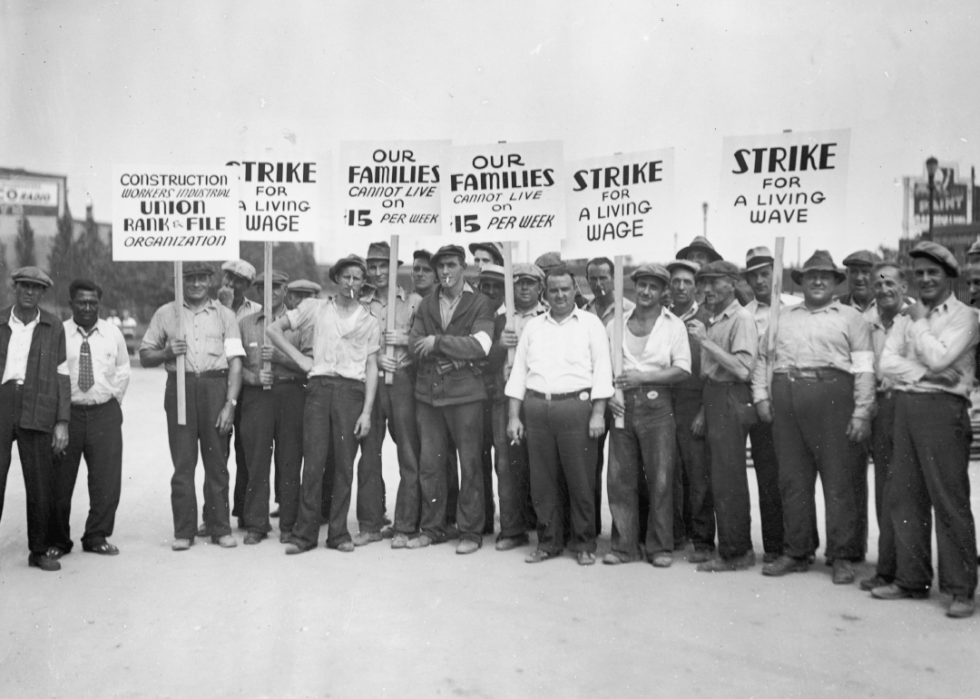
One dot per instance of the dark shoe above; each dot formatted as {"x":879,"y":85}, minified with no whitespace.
{"x":252,"y":538}
{"x":961,"y":607}
{"x":103,"y":548}
{"x":295,"y":548}
{"x":181,"y":544}
{"x":387,"y":532}
{"x":538,"y":555}
{"x":724,"y":565}
{"x":202,"y":531}
{"x":54,"y":553}
{"x":586,"y":558}
{"x":285,"y":537}
{"x":467,"y":546}
{"x":275,"y":513}
{"x":44,"y":562}
{"x":771,"y":557}
{"x":387,"y":521}
{"x":843,"y":572}
{"x":241,"y":524}
{"x":868,"y":584}
{"x":700,"y":556}
{"x":894,"y":591}
{"x":508,"y":543}
{"x":365,"y":538}
{"x":225,"y":541}
{"x":343,"y":547}
{"x":785,"y":564}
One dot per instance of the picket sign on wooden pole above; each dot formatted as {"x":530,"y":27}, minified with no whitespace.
{"x":392,"y":300}
{"x":617,"y":348}
{"x":777,"y":286}
{"x":509,"y":297}
{"x":267,"y":302}
{"x":181,"y":379}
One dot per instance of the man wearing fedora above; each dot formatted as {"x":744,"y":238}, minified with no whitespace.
{"x":694,"y":514}
{"x":35,"y":405}
{"x":656,"y":357}
{"x":394,"y":406}
{"x":451,"y":334}
{"x":931,"y":362}
{"x":820,"y":404}
{"x":729,"y":345}
{"x":758,"y":274}
{"x":212,"y":349}
{"x":340,"y":391}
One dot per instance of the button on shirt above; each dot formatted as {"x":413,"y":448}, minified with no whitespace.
{"x":19,"y":347}
{"x":252,"y":328}
{"x":734,"y":331}
{"x":879,"y":335}
{"x":666,"y":345}
{"x":340,"y":345}
{"x":110,"y":362}
{"x":564,"y":357}
{"x":405,"y":305}
{"x":946,"y":339}
{"x":211,"y":333}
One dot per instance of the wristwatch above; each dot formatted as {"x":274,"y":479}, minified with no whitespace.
{"x":234,"y":403}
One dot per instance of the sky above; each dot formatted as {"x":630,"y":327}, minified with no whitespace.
{"x":90,"y":84}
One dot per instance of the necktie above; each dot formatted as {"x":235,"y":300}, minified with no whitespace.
{"x":86,"y":377}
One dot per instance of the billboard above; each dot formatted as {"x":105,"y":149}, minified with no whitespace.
{"x":29,"y":195}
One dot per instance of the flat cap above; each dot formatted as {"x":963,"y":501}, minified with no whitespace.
{"x":492,"y":271}
{"x":757,"y":258}
{"x":496,"y":251}
{"x":861,"y":257}
{"x":32,"y":275}
{"x":690,"y":265}
{"x":700,"y":243}
{"x":192,"y":268}
{"x":380,"y":251}
{"x":304,"y":286}
{"x":448,"y":250}
{"x":277,"y":278}
{"x":349,"y":261}
{"x":937,"y":253}
{"x":548,"y":261}
{"x":820,"y":261}
{"x":239,"y":268}
{"x":975,"y":248}
{"x":651,"y":269}
{"x":524,"y":270}
{"x":423,"y":253}
{"x":718,"y":268}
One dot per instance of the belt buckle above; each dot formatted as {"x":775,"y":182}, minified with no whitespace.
{"x":547,"y":395}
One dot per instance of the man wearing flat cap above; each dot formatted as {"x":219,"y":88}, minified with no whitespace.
{"x":758,"y":274}
{"x":729,"y":345}
{"x":487,"y":254}
{"x":656,"y":357}
{"x":272,"y":418}
{"x":694,"y":515}
{"x":517,"y":516}
{"x":35,"y":405}
{"x":212,"y":349}
{"x":549,"y":261}
{"x":341,"y":387}
{"x":820,"y":404}
{"x":860,"y":290}
{"x":299,"y":290}
{"x":394,"y":410}
{"x":451,"y":334}
{"x":491,"y":285}
{"x":931,"y":362}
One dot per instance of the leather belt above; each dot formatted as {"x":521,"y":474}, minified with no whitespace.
{"x":584,"y":394}
{"x":821,"y":374}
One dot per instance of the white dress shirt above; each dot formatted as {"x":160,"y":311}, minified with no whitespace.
{"x":20,"y":346}
{"x":110,"y":362}
{"x":666,"y":346}
{"x":564,"y":357}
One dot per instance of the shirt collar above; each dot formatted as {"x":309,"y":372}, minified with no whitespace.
{"x":834,"y":305}
{"x":78,"y":328}
{"x":691,"y":312}
{"x":729,"y":310}
{"x":15,"y":319}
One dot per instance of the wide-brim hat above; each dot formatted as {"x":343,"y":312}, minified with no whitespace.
{"x":651,"y":269}
{"x":700,"y":243}
{"x":938,"y":254}
{"x":355,"y":260}
{"x":718,"y":268}
{"x":380,"y":251}
{"x":820,"y":261}
{"x":496,"y":250}
{"x":757,"y":258}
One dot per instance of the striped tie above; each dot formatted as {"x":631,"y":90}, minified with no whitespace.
{"x":86,"y":376}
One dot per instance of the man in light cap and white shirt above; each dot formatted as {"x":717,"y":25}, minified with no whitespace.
{"x":491,"y":284}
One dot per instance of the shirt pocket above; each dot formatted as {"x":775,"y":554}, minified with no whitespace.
{"x":214,"y":345}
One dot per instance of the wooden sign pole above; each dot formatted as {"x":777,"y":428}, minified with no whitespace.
{"x":181,"y":361}
{"x":617,"y":348}
{"x":267,"y":302}
{"x":392,"y":300}
{"x":777,"y":287}
{"x":509,"y":297}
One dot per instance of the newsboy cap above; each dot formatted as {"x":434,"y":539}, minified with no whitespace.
{"x":690,"y":265}
{"x":651,"y":269}
{"x":349,"y":261}
{"x":277,"y":278}
{"x":938,"y":254}
{"x":718,"y":268}
{"x":304,"y":286}
{"x":447,"y":250}
{"x":239,"y":268}
{"x":194,"y":268}
{"x":861,"y":257}
{"x":31,"y":275}
{"x":496,"y":251}
{"x":524,"y":270}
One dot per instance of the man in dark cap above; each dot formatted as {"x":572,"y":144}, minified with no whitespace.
{"x":702,"y":251}
{"x":272,"y":418}
{"x":694,"y":515}
{"x":300,"y":290}
{"x":394,"y":406}
{"x":729,"y":345}
{"x":820,"y":403}
{"x":35,"y":405}
{"x":656,"y":356}
{"x":340,"y":391}
{"x":423,"y":276}
{"x":452,"y":329}
{"x":931,"y":362}
{"x":212,"y":349}
{"x":860,"y":290}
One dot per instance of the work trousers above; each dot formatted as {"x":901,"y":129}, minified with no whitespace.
{"x":882,"y":450}
{"x":513,"y":477}
{"x":558,"y":443}
{"x":810,"y":420}
{"x":241,"y":466}
{"x":643,"y":448}
{"x":394,"y":412}
{"x":95,"y":432}
{"x":694,"y":512}
{"x":36,"y":461}
{"x":205,"y":397}
{"x":728,"y":413}
{"x":487,"y":462}
{"x":464,"y":425}
{"x":272,"y":419}
{"x":930,"y":470}
{"x":333,"y":405}
{"x":766,"y":468}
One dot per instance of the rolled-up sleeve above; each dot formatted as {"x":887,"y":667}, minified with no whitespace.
{"x":760,"y":372}
{"x":862,"y":362}
{"x":517,"y":383}
{"x":745,"y":343}
{"x":680,"y":348}
{"x":939,"y":353}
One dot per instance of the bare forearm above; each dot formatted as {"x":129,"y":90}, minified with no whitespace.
{"x":730,"y":362}
{"x":150,"y":358}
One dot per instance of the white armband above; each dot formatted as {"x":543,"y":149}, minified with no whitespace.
{"x":862,"y":362}
{"x":234,"y":348}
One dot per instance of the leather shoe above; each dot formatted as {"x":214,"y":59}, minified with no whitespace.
{"x":225,"y":541}
{"x":770,"y":557}
{"x":868,"y":584}
{"x":586,"y":558}
{"x":103,"y":548}
{"x":202,"y":531}
{"x":295,"y":548}
{"x":785,"y":564}
{"x":365,"y":538}
{"x":614,"y":559}
{"x":44,"y":562}
{"x":399,"y":541}
{"x":961,"y":607}
{"x":843,"y":572}
{"x":662,"y":559}
{"x":419,"y":542}
{"x":252,"y":538}
{"x":344,"y":547}
{"x":724,"y":565}
{"x":285,"y":537}
{"x":467,"y":546}
{"x":181,"y":544}
{"x":538,"y":555}
{"x":895,"y":591}
{"x":387,"y":532}
{"x":507,"y":543}
{"x":54,"y":553}
{"x":700,"y":556}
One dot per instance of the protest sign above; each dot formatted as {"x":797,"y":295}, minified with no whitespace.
{"x":785,"y":184}
{"x":279,"y":200}
{"x":621,"y":204}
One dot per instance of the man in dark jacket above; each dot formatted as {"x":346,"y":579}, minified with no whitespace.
{"x":452,"y":329}
{"x":35,"y":404}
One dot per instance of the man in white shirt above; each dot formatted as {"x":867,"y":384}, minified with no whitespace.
{"x":656,"y":355}
{"x":563,"y":378}
{"x":98,"y":365}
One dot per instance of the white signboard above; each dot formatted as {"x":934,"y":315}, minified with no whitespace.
{"x":392,"y":187}
{"x":620,"y":205}
{"x":171,"y":212}
{"x":279,"y":200}
{"x":29,"y":193}
{"x":505,"y":191}
{"x":784,"y":184}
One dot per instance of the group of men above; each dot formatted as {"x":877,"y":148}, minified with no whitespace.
{"x":466,"y":389}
